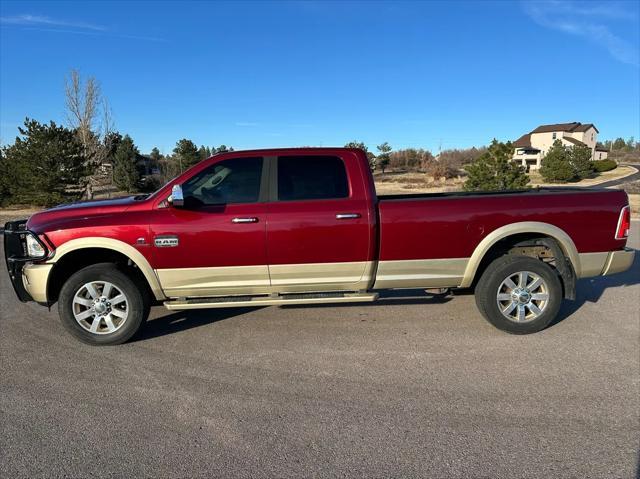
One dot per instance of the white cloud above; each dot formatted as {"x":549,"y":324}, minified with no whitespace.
{"x":37,"y":20}
{"x":588,"y":20}
{"x":47,"y":24}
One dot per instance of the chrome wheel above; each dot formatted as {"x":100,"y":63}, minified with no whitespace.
{"x":522,"y":296}
{"x":100,"y":307}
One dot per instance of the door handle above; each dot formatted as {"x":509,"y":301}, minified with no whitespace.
{"x":244,"y":220}
{"x":347,"y":216}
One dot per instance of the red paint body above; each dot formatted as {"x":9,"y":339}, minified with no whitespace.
{"x":451,"y":227}
{"x":295,"y":232}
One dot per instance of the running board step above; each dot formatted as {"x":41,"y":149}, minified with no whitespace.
{"x":244,"y":301}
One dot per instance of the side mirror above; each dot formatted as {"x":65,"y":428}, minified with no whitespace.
{"x":177,"y":198}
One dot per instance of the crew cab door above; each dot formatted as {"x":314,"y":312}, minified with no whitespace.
{"x":320,"y":225}
{"x":216,"y":243}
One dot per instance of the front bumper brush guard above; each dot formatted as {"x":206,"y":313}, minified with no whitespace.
{"x":15,"y":254}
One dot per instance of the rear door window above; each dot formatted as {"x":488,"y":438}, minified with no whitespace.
{"x":311,"y":178}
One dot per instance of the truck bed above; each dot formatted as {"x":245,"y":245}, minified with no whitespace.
{"x":451,"y":225}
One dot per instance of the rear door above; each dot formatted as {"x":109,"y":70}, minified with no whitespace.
{"x":319,"y":224}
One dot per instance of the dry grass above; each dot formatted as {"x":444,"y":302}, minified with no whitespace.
{"x":17,"y":213}
{"x":398,"y":183}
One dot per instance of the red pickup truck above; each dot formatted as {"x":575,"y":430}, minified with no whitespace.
{"x":305,"y":226}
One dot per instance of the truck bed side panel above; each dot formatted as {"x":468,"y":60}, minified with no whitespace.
{"x":452,"y":227}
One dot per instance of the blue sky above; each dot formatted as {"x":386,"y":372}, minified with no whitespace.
{"x":267,"y":74}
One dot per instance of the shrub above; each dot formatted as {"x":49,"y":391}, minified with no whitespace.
{"x":562,"y":164}
{"x":604,"y":165}
{"x":439,"y":169}
{"x":494,"y":170}
{"x":458,"y":158}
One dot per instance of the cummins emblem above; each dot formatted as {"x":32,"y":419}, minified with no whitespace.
{"x":165,"y":241}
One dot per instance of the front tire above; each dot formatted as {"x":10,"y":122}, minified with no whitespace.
{"x":519,"y":294}
{"x":100,"y":305}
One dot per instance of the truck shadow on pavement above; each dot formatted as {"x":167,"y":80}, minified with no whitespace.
{"x":588,"y":290}
{"x":184,"y":320}
{"x":591,"y":289}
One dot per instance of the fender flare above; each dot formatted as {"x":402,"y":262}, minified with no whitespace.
{"x":564,"y":240}
{"x":114,"y":245}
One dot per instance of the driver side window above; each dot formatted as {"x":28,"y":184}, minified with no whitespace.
{"x":231,"y":181}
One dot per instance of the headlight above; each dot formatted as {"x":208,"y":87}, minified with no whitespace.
{"x":34,"y":248}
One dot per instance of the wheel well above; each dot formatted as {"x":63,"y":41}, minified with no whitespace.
{"x":74,"y":261}
{"x":542,"y":247}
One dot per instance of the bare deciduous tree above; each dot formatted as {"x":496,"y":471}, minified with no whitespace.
{"x":83,"y":103}
{"x":88,"y":113}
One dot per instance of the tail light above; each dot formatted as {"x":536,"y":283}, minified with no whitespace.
{"x":624,"y":223}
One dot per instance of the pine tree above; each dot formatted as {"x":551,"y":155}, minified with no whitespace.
{"x":556,"y":165}
{"x":186,"y":153}
{"x":580,"y":159}
{"x":155,"y":155}
{"x":494,"y":170}
{"x":44,"y":166}
{"x":370,"y":156}
{"x":203,"y":154}
{"x":619,"y":144}
{"x":125,"y":174}
{"x":383,"y":158}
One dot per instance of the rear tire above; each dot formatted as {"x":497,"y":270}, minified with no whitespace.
{"x":519,"y":294}
{"x":100,"y":305}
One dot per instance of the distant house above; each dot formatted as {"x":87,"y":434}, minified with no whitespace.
{"x":531,"y":147}
{"x":601,"y":152}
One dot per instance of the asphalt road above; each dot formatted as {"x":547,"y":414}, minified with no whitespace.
{"x":421,"y":387}
{"x":620,"y":181}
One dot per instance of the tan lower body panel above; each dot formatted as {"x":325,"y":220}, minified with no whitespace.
{"x":34,"y":278}
{"x":351,"y":276}
{"x":227,"y":280}
{"x":290,"y":278}
{"x":263,"y":279}
{"x":421,"y":273}
{"x":619,"y":261}
{"x":592,"y":264}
